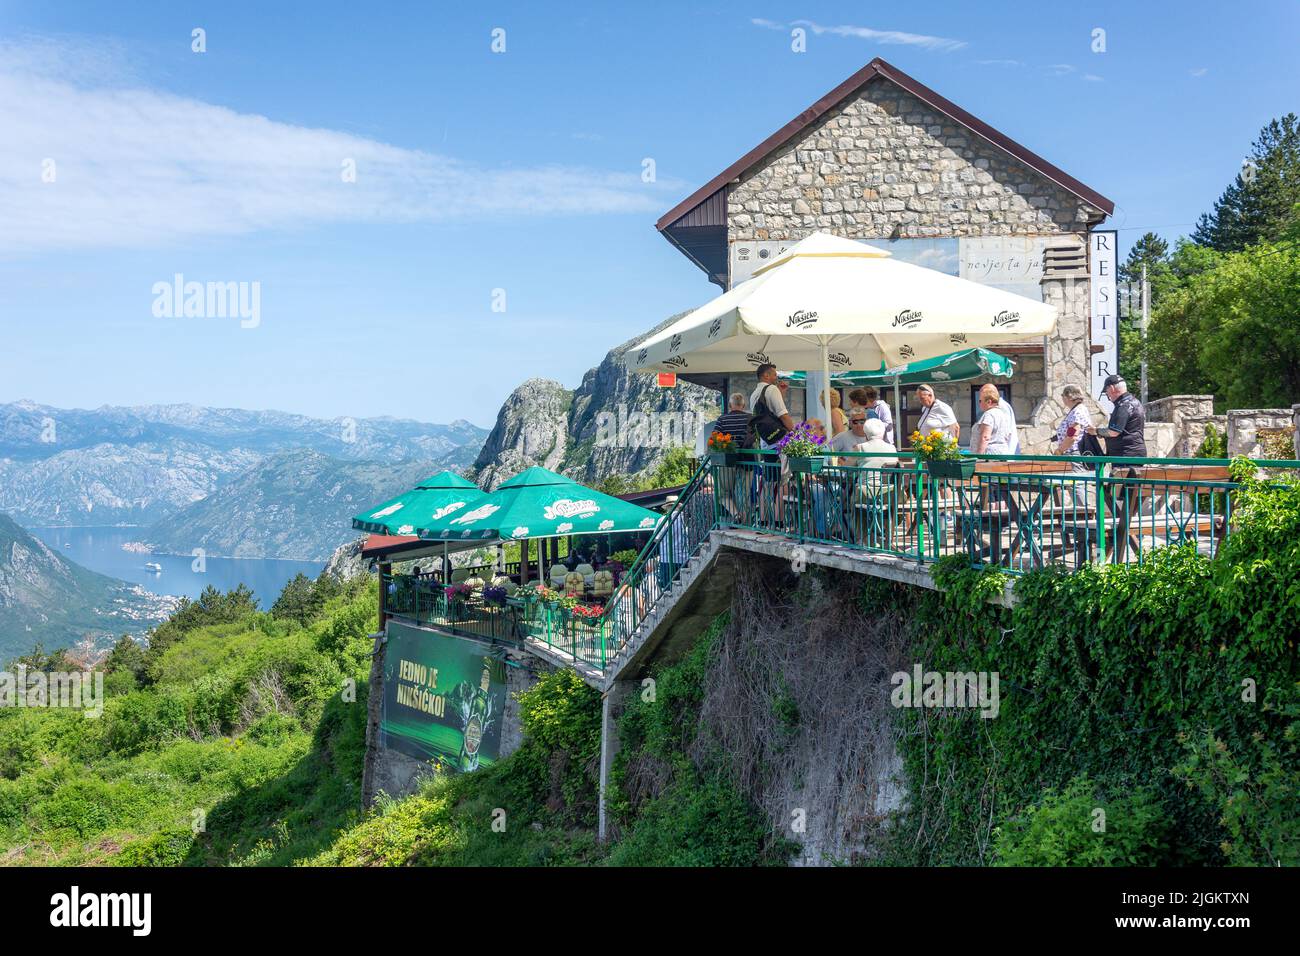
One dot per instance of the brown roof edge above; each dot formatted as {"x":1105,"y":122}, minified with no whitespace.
{"x":881,"y":68}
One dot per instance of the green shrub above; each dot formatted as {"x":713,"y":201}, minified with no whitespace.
{"x":555,"y":773}
{"x":168,"y":847}
{"x":1082,"y":827}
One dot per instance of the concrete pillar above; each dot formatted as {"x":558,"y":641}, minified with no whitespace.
{"x":612,"y":703}
{"x":374,"y":713}
{"x":1067,"y":355}
{"x":385,"y":570}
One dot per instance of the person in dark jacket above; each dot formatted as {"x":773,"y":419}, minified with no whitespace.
{"x":1125,"y":436}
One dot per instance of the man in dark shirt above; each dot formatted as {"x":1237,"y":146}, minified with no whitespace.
{"x":735,"y":420}
{"x":1125,"y":436}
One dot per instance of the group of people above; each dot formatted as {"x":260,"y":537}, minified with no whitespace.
{"x":763,"y":418}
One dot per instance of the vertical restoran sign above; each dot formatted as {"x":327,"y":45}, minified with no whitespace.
{"x":1103,"y":263}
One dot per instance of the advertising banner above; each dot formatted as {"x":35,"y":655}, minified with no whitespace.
{"x":444,"y":699}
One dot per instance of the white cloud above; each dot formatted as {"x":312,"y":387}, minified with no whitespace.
{"x":139,"y":167}
{"x":1199,"y":71}
{"x":999,"y":62}
{"x":941,"y":44}
{"x":1092,"y":77}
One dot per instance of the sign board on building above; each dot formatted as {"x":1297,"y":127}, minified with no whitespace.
{"x":1011,"y":263}
{"x":1103,"y":264}
{"x":444,"y":699}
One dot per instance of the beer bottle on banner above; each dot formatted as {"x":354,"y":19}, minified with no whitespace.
{"x":476,"y":724}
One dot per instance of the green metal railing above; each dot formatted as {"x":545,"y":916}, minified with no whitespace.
{"x":424,"y":601}
{"x":676,"y":539}
{"x":1018,"y":512}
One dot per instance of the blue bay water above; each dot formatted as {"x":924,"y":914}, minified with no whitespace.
{"x":100,"y":549}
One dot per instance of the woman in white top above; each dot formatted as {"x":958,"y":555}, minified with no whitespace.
{"x":994,"y":432}
{"x":935,"y":414}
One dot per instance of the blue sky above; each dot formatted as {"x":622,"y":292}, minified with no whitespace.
{"x":518,"y":171}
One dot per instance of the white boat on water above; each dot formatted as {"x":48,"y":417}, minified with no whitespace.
{"x":153,"y":566}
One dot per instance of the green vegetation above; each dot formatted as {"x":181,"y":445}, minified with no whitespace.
{"x":1164,"y":694}
{"x":675,"y":809}
{"x":1149,"y":715}
{"x":238,"y":738}
{"x":675,"y":468}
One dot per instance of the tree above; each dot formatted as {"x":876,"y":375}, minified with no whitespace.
{"x":1232,"y":329}
{"x":126,"y":656}
{"x":212,"y":607}
{"x":1173,"y":346}
{"x":1151,"y":251}
{"x":296,"y":601}
{"x":676,"y":468}
{"x":1258,"y":206}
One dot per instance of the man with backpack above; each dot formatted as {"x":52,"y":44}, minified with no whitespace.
{"x":770,"y":423}
{"x":771,"y":419}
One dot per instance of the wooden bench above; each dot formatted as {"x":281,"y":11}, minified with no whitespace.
{"x":1188,"y":478}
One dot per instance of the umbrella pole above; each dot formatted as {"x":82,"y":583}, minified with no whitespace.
{"x":826,"y":376}
{"x":898,"y":414}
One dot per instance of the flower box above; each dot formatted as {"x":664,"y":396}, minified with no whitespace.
{"x":726,"y":459}
{"x":807,"y":466}
{"x":958,"y":468}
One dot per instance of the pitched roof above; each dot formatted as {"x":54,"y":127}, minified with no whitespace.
{"x":880,"y":68}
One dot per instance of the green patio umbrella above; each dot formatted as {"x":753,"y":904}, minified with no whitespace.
{"x":953,"y":367}
{"x":433,"y":499}
{"x":537,"y":503}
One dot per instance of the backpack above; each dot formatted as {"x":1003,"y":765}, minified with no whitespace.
{"x":763,"y":425}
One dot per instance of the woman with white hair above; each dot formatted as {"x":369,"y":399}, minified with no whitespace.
{"x":874,"y":431}
{"x":1069,"y":433}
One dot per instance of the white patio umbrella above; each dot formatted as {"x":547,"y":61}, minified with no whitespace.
{"x":828,"y":301}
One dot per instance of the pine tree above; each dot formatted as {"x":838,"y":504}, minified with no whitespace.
{"x":1151,"y":251}
{"x":1258,"y":206}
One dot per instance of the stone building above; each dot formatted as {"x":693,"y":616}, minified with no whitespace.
{"x":885,"y":159}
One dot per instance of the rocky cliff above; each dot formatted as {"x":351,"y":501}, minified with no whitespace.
{"x":532,"y":428}
{"x":617,"y":422}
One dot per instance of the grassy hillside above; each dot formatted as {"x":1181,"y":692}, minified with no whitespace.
{"x":239,"y":730}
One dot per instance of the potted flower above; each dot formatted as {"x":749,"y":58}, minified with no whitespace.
{"x":457,"y":595}
{"x":802,"y":447}
{"x":588,"y":613}
{"x":495,"y":595}
{"x":942,"y":455}
{"x":723,"y":449}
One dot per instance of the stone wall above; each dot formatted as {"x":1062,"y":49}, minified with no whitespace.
{"x":1189,"y":415}
{"x":883,"y":164}
{"x":883,"y":160}
{"x":1244,"y":425}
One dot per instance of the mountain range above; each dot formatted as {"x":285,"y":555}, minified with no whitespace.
{"x":295,"y":505}
{"x":141,"y":465}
